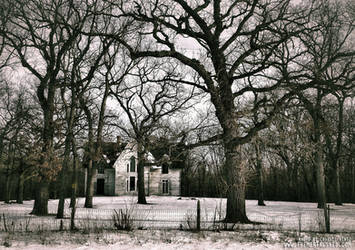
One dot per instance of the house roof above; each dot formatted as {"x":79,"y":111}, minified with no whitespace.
{"x":161,"y":148}
{"x":109,"y":153}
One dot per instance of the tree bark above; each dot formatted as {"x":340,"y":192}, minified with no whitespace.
{"x":95,"y":151}
{"x":89,"y":192}
{"x":9,"y":166}
{"x":74,"y":181}
{"x":140,"y":174}
{"x":235,"y":180}
{"x":318,"y":161}
{"x":41,"y":200}
{"x":63,"y":175}
{"x":40,"y":206}
{"x":70,"y":115}
{"x":90,"y":184}
{"x":259,"y":173}
{"x":338,"y":198}
{"x":60,"y":210}
{"x":318,"y":122}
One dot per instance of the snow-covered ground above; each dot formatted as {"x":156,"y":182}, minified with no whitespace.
{"x":174,"y":239}
{"x":174,"y":212}
{"x":30,"y":232}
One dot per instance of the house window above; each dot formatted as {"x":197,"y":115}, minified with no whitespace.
{"x":101,"y":170}
{"x":165,"y":168}
{"x":127,"y":185}
{"x":127,"y":168}
{"x":165,"y":186}
{"x":133,"y":164}
{"x":132,"y":183}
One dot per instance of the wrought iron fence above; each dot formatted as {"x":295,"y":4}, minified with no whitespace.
{"x":153,"y":218}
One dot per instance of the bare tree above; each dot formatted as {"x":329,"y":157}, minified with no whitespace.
{"x":330,"y":58}
{"x":113,"y":69}
{"x":288,"y":140}
{"x":334,"y":133}
{"x":78,"y":76}
{"x":146,"y":100}
{"x":37,"y":33}
{"x":17,"y":130}
{"x":236,"y":42}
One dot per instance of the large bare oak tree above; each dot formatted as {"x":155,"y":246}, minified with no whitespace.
{"x":235,"y":46}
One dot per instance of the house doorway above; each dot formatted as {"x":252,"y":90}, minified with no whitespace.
{"x":100,"y":188}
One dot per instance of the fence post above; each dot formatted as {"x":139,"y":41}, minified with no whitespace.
{"x":198,"y":216}
{"x":299,"y":223}
{"x":328,"y":219}
{"x":5,"y":226}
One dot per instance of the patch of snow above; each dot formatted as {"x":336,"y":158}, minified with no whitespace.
{"x":275,"y":215}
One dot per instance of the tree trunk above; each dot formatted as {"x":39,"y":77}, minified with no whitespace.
{"x":74,"y":181}
{"x":318,"y":154}
{"x":41,"y":200}
{"x":7,"y":187}
{"x":90,"y":185}
{"x":21,"y":180}
{"x":259,"y":173}
{"x":338,"y":199}
{"x":319,"y":165}
{"x":63,"y":177}
{"x":62,"y":188}
{"x":95,"y":151}
{"x":140,"y":180}
{"x":260,"y":188}
{"x":40,"y":206}
{"x":320,"y":176}
{"x":235,"y":179}
{"x":69,"y":115}
{"x":9,"y":166}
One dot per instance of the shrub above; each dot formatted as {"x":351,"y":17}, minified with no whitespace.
{"x":123,"y":219}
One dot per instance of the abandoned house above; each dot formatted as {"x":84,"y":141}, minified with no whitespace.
{"x":117,"y":173}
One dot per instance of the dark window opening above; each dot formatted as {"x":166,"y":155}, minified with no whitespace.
{"x":101,"y":170}
{"x":165,"y":186}
{"x":133,"y":164}
{"x":165,"y":168}
{"x":132,"y":183}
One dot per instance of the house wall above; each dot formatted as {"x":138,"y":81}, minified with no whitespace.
{"x":153,"y":176}
{"x":110,"y":181}
{"x":156,"y":178}
{"x":120,"y":167}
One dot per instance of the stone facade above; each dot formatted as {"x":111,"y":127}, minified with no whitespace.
{"x":121,"y":179}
